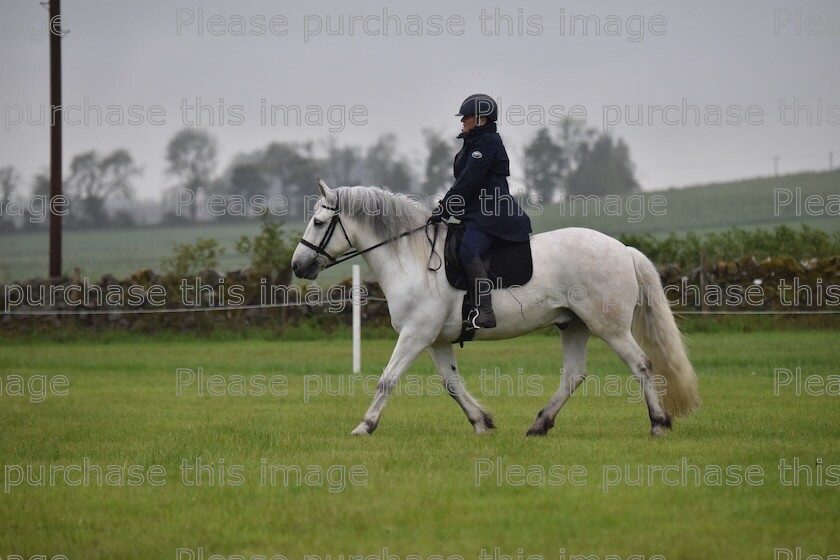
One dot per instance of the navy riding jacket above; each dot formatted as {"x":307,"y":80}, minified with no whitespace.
{"x":481,"y":170}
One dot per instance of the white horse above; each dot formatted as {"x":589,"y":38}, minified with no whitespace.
{"x":584,"y":282}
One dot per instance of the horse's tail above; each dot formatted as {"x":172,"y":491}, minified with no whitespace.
{"x":656,"y":331}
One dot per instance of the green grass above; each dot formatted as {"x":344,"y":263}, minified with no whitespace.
{"x":420,"y":497}
{"x":746,"y":204}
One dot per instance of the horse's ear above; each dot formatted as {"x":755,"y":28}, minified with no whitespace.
{"x":325,"y":190}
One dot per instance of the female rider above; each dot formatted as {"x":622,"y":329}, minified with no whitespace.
{"x":481,"y":200}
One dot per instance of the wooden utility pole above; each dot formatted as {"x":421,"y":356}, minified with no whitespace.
{"x":54,"y":27}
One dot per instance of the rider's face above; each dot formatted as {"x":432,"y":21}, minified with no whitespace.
{"x":468,"y":122}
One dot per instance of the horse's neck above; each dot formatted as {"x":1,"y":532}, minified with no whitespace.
{"x":393,"y":272}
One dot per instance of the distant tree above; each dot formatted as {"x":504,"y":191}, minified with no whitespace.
{"x":545,"y":165}
{"x":571,"y":135}
{"x":384,"y":166}
{"x":118,"y":168}
{"x":93,"y":180}
{"x":41,"y":188}
{"x":292,"y":168}
{"x":192,"y":158}
{"x":603,"y":167}
{"x":341,"y":165}
{"x":438,"y":168}
{"x":125,"y":218}
{"x":41,"y":185}
{"x":9,"y":180}
{"x":247,"y":180}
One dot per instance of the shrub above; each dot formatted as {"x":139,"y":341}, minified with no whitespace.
{"x":189,"y":259}
{"x":271,"y":249}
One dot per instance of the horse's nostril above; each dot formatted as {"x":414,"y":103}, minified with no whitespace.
{"x":294,"y":267}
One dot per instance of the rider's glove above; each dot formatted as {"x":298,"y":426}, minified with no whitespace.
{"x":437,"y":215}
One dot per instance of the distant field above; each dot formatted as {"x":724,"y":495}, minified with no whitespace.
{"x":746,"y":204}
{"x":123,"y":251}
{"x":749,"y":203}
{"x":115,"y":251}
{"x":421,"y":493}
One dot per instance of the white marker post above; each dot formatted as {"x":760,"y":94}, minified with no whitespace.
{"x":356,"y":298}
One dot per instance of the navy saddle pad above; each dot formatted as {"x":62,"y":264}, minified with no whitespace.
{"x":508,"y":262}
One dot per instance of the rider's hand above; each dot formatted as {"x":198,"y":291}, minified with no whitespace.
{"x":437,"y":215}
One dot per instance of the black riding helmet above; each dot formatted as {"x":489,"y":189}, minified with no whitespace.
{"x":480,"y":105}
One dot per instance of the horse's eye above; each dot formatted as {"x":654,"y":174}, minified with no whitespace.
{"x":318,"y":223}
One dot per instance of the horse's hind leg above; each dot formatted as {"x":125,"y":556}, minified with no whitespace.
{"x":638,"y":362}
{"x":575,"y":338}
{"x":444,"y":359}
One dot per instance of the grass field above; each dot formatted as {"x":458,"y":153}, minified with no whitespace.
{"x":750,"y":203}
{"x":115,"y":251}
{"x":420,"y":494}
{"x":746,"y":204}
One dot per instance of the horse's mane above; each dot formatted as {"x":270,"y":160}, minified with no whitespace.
{"x":387,"y":214}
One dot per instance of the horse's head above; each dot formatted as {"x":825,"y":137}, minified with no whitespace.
{"x":324,"y":239}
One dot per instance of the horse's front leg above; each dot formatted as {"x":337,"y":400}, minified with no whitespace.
{"x":444,"y":357}
{"x":409,"y":345}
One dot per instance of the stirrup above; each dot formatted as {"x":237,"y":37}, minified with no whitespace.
{"x":472,"y":320}
{"x":472,"y":317}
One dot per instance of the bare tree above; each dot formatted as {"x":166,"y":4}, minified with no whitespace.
{"x":9,"y":180}
{"x":192,"y":158}
{"x":292,"y":168}
{"x":341,"y":163}
{"x":385,"y":166}
{"x":93,"y":180}
{"x":545,"y":165}
{"x":41,"y":185}
{"x":438,"y":169}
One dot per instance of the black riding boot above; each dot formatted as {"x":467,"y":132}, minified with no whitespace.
{"x":481,"y":316}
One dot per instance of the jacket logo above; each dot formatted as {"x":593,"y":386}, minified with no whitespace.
{"x":476,"y":154}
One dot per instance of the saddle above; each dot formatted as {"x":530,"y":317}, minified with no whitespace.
{"x":508,"y":264}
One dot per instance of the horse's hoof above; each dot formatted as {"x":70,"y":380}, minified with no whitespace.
{"x":660,"y":427}
{"x":536,"y":431}
{"x":361,"y":430}
{"x":484,"y":423}
{"x":541,"y":425}
{"x":658,"y":431}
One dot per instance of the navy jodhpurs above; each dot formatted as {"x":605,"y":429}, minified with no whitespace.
{"x":474,"y":244}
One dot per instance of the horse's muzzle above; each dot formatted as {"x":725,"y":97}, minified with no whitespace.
{"x":309,"y":272}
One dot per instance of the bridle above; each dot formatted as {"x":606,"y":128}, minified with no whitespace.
{"x":335,"y":223}
{"x":320,"y":248}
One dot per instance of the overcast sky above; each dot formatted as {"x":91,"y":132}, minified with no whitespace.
{"x":366,"y":79}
